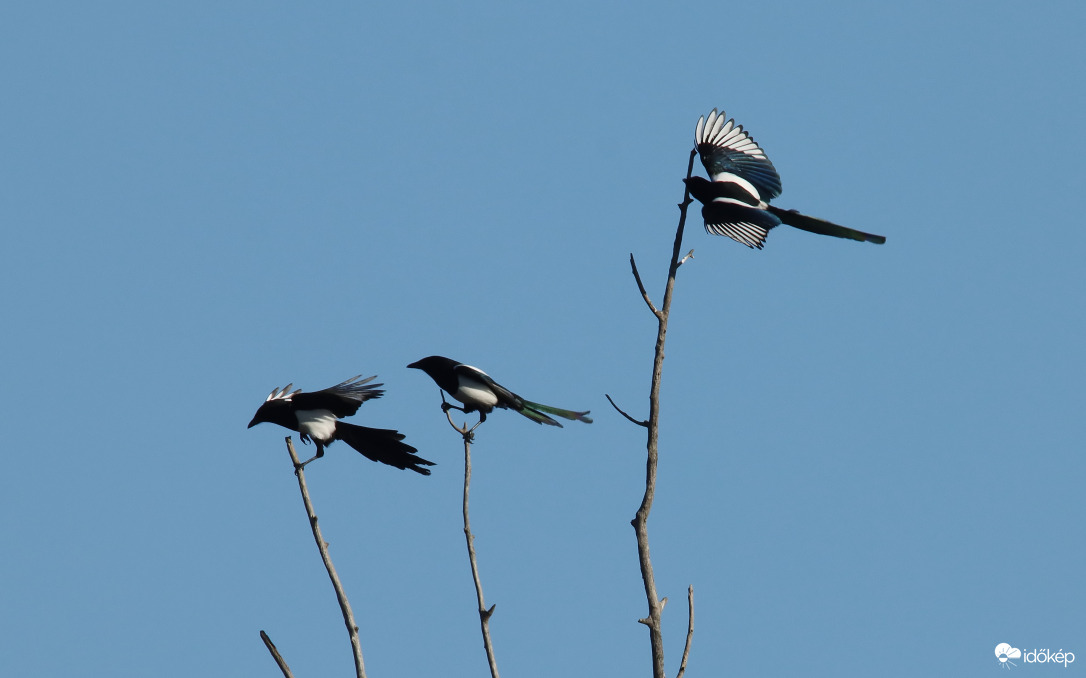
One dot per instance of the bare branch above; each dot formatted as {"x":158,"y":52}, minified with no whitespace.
{"x":641,"y":286}
{"x":468,"y":434}
{"x":640,"y":521}
{"x":619,"y":409}
{"x":276,"y":656}
{"x":689,"y":632}
{"x":341,"y":596}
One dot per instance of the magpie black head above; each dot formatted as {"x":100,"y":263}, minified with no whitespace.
{"x":270,"y":413}
{"x":276,"y":409}
{"x":700,"y":188}
{"x":442,"y":370}
{"x":434,"y":365}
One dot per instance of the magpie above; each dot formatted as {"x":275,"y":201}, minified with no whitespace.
{"x":479,"y":393}
{"x":742,"y":181}
{"x":315,"y":415}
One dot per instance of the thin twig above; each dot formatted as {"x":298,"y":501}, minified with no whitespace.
{"x":276,"y":656}
{"x":689,"y":632}
{"x":641,"y":286}
{"x":619,"y":409}
{"x":341,"y":596}
{"x":484,"y":614}
{"x":640,"y":521}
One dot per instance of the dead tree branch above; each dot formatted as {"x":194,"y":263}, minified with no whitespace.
{"x":620,"y":411}
{"x":468,"y":435}
{"x":276,"y":656}
{"x":640,"y":521}
{"x":689,"y":631}
{"x":341,"y":596}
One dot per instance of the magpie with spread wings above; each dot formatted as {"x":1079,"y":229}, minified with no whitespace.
{"x":742,"y":181}
{"x":316,"y":417}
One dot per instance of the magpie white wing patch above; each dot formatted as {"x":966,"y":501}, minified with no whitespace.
{"x":746,"y":186}
{"x":751,"y":235}
{"x":471,"y":368}
{"x":726,"y":149}
{"x":726,"y":135}
{"x":472,"y":392}
{"x":282,"y":393}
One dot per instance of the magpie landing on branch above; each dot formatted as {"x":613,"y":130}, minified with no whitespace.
{"x":479,"y":393}
{"x":315,"y":415}
{"x":742,"y":181}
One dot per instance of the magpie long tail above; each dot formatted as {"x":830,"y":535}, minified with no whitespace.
{"x":822,"y":227}
{"x":382,"y":445}
{"x":538,"y":413}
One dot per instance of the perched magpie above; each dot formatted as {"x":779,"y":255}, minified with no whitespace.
{"x":479,"y":393}
{"x":315,"y":416}
{"x":735,"y":202}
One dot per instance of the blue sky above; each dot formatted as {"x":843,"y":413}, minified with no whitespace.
{"x":871,"y":457}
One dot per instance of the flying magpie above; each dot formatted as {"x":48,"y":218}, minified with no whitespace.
{"x":315,"y":415}
{"x":479,"y":393}
{"x":742,"y":181}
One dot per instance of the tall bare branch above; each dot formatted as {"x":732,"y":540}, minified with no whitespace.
{"x":341,"y":596}
{"x":641,"y":519}
{"x":468,"y":435}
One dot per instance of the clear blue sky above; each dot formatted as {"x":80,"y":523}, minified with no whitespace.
{"x":871,"y":457}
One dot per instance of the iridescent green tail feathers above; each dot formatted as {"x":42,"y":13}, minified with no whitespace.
{"x":538,"y":412}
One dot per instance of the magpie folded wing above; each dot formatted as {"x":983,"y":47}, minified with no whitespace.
{"x":726,"y":148}
{"x":343,"y":399}
{"x":505,"y":396}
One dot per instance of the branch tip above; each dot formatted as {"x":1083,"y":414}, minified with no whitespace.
{"x":689,"y":632}
{"x":619,"y":410}
{"x":282,"y":663}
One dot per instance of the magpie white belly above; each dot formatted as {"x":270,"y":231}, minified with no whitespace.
{"x":317,"y":424}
